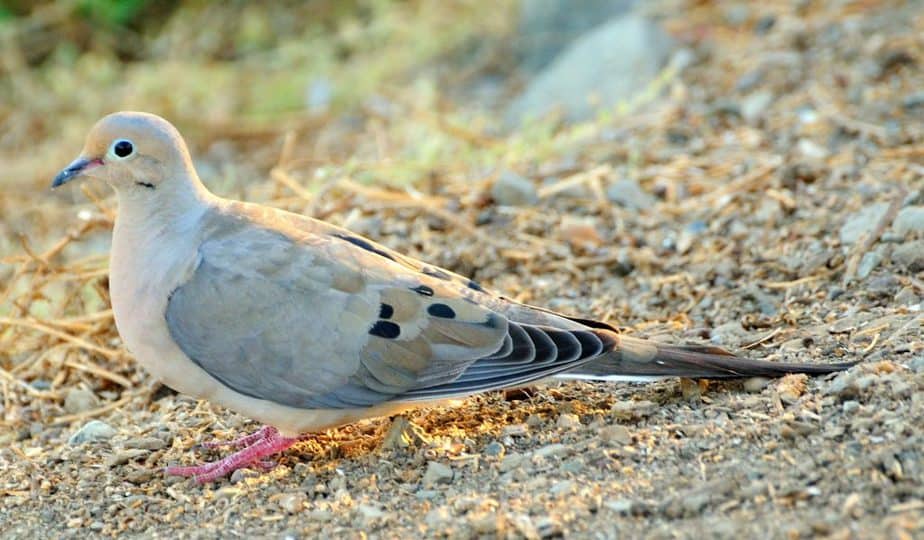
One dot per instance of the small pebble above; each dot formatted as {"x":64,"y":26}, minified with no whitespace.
{"x":427,"y":494}
{"x":631,"y":410}
{"x":512,"y":189}
{"x":485,"y":523}
{"x":511,"y":461}
{"x":321,"y":516}
{"x":293,"y":503}
{"x":548,"y":527}
{"x":909,"y":256}
{"x":80,"y":400}
{"x":515,"y":430}
{"x":438,"y":517}
{"x":868,"y":263}
{"x":494,"y":449}
{"x":568,"y":421}
{"x":125,"y":455}
{"x":370,"y":512}
{"x":629,"y":194}
{"x":615,"y":434}
{"x":754,"y":107}
{"x":756,"y":384}
{"x":907,"y":297}
{"x":850,"y":406}
{"x":145,"y":443}
{"x":437,"y":473}
{"x":620,"y":506}
{"x":862,"y":222}
{"x":94,"y":430}
{"x":556,"y":449}
{"x":909,"y":219}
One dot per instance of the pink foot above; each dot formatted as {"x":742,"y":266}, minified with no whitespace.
{"x":265,"y":442}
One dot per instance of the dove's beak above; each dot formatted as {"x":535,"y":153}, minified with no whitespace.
{"x":75,"y":169}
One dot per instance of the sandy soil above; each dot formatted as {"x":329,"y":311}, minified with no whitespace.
{"x":785,"y":174}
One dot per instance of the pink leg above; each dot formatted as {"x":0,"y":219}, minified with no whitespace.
{"x":240,"y":442}
{"x":271,"y":443}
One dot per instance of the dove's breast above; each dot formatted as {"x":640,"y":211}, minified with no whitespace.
{"x":142,"y":274}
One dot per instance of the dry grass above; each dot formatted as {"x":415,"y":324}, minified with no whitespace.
{"x":391,"y":158}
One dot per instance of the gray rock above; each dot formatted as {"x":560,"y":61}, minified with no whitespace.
{"x":917,"y":364}
{"x":511,"y":462}
{"x":909,"y":219}
{"x":437,"y":473}
{"x":868,"y":263}
{"x":370,"y":512}
{"x":546,"y":27}
{"x":511,"y":189}
{"x":627,"y":193}
{"x":495,"y":449}
{"x":844,"y":386}
{"x":568,"y":421}
{"x":757,"y":384}
{"x":293,"y":503}
{"x":620,"y":506}
{"x":749,"y":81}
{"x":850,"y":406}
{"x":913,"y":101}
{"x":604,"y":67}
{"x":615,"y":434}
{"x":145,"y":443}
{"x":633,"y":409}
{"x":80,"y":400}
{"x":907,"y":297}
{"x":812,"y":149}
{"x":880,"y":286}
{"x":754,"y":107}
{"x":862,"y":222}
{"x":555,"y":449}
{"x":730,"y":333}
{"x":94,"y":430}
{"x":549,"y":527}
{"x":438,"y":517}
{"x":910,"y":256}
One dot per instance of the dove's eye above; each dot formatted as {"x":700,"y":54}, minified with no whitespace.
{"x":122,"y":148}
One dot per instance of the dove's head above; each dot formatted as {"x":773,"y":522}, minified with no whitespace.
{"x":134,"y":152}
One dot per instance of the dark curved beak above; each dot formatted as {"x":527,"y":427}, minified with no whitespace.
{"x":74,"y":170}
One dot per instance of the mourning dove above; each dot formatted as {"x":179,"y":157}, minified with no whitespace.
{"x":303,"y":326}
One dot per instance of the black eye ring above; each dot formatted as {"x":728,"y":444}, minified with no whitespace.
{"x":122,"y":148}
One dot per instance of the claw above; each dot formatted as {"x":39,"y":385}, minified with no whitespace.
{"x":265,"y":442}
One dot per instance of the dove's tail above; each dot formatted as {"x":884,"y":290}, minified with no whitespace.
{"x":635,"y":359}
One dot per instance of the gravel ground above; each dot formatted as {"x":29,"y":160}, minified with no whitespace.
{"x":775,"y":207}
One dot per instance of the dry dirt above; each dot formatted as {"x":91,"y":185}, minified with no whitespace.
{"x":784,"y":169}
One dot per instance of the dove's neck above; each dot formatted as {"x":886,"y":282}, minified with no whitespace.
{"x":170,"y":209}
{"x":154,"y":243}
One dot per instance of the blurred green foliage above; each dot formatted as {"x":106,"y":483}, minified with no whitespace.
{"x":113,"y":12}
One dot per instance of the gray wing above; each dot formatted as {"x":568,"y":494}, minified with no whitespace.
{"x":324,"y":321}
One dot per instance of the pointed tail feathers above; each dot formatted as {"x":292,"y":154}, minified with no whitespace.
{"x":639,"y":359}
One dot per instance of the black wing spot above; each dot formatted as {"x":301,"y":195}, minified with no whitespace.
{"x":385,"y":329}
{"x":365,"y":244}
{"x":423,"y":289}
{"x":475,"y":286}
{"x":436,"y":272}
{"x":386,"y":311}
{"x":441,"y":310}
